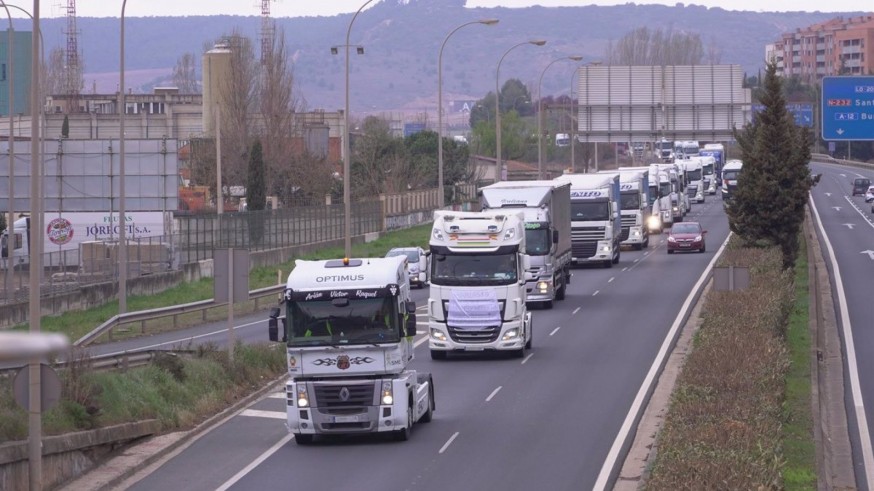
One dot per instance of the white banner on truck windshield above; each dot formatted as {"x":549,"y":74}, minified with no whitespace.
{"x":473,"y":309}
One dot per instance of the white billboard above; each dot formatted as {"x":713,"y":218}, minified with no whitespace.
{"x":647,"y":103}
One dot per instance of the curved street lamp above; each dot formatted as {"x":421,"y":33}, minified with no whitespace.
{"x":10,"y":56}
{"x":347,"y":195}
{"x":540,"y":112}
{"x":499,"y":174}
{"x":440,"y":191}
{"x":122,"y":249}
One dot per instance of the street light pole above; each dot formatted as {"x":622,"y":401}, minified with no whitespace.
{"x":34,"y":416}
{"x":122,"y":249}
{"x":441,"y":193}
{"x":573,"y":119}
{"x":499,"y":174}
{"x":10,"y":271}
{"x":347,"y":195}
{"x":540,"y":112}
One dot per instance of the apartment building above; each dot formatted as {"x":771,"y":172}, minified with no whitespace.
{"x":841,"y":46}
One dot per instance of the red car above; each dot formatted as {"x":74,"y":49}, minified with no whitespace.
{"x":686,"y":236}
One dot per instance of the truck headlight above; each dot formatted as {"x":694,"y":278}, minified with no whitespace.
{"x":510,"y":334}
{"x":302,"y":399}
{"x":653,"y":222}
{"x":605,"y":248}
{"x":437,"y":334}
{"x":387,"y":394}
{"x":437,"y":234}
{"x":542,"y":286}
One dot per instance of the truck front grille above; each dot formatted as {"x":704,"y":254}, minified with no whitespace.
{"x":473,"y":336}
{"x":584,"y":241}
{"x":331,"y":395}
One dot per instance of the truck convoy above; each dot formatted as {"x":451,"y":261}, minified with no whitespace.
{"x":635,"y":204}
{"x":595,"y":220}
{"x":546,"y":208}
{"x":348,"y":328}
{"x":478,"y":298}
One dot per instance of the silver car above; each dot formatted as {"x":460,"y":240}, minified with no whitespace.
{"x":417,"y":264}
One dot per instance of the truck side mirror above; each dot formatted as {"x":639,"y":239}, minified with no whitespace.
{"x":526,"y":264}
{"x":555,"y":236}
{"x":410,"y":324}
{"x":410,"y":307}
{"x":273,"y":325}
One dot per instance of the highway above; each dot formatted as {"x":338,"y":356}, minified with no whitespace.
{"x":846,"y":230}
{"x":554,"y":419}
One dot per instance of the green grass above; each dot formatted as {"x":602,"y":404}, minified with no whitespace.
{"x":799,"y":472}
{"x":179,"y":393}
{"x":78,"y":323}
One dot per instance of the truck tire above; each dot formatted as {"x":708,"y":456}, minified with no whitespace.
{"x":559,"y":294}
{"x":530,"y":340}
{"x":438,"y":355}
{"x":303,"y":438}
{"x":429,"y":414}
{"x":403,"y":434}
{"x":616,"y":259}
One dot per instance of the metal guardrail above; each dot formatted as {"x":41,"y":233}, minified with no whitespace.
{"x":821,"y":157}
{"x":173,"y":311}
{"x":128,"y":359}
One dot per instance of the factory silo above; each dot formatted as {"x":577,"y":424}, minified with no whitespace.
{"x":216,"y":77}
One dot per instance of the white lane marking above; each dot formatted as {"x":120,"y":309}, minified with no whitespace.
{"x":638,"y":259}
{"x":555,"y":331}
{"x":278,"y":395}
{"x":636,"y":406}
{"x":255,"y":463}
{"x":575,"y":311}
{"x":419,"y":342}
{"x":223,"y":330}
{"x":448,"y":442}
{"x":596,"y":292}
{"x":852,"y":366}
{"x":421,"y":323}
{"x":850,"y":225}
{"x":257,"y":413}
{"x":625,"y":269}
{"x":860,"y":212}
{"x":494,"y":392}
{"x":611,"y":279}
{"x":423,"y":307}
{"x":527,"y":358}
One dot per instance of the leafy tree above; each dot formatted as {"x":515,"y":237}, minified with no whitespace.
{"x":376,"y":154}
{"x":768,"y":206}
{"x":658,"y":47}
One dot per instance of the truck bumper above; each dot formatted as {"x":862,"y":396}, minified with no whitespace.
{"x":541,"y":290}
{"x":510,"y":337}
{"x":603,"y":253}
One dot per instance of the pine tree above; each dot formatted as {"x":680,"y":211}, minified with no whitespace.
{"x":768,"y":206}
{"x":65,"y":127}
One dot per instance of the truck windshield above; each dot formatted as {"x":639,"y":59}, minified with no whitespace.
{"x":473,"y":269}
{"x":664,"y":189}
{"x":708,"y":169}
{"x":653,"y":194}
{"x":691,"y":149}
{"x":590,"y":210}
{"x":693,"y":175}
{"x":343,"y":321}
{"x":537,"y":241}
{"x":630,"y":200}
{"x":730,"y":174}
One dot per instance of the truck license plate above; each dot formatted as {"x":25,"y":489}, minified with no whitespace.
{"x":474,"y":348}
{"x":346,"y":419}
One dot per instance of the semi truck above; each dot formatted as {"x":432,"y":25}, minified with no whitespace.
{"x":478,"y":299}
{"x":664,"y":207}
{"x":596,"y":226}
{"x":635,"y":204}
{"x":546,"y":206}
{"x":348,"y":327}
{"x":712,"y":172}
{"x":679,"y":202}
{"x":694,"y":178}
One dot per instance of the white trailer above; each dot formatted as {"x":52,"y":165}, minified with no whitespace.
{"x":596,"y":225}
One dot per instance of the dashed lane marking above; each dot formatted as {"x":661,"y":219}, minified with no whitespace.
{"x":448,"y":442}
{"x":494,"y":392}
{"x":555,"y":331}
{"x":257,"y":413}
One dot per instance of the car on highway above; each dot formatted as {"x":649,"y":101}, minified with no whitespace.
{"x":860,"y":185}
{"x":869,"y":194}
{"x":686,"y":236}
{"x":417,"y":264}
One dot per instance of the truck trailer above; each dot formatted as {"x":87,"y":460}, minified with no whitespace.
{"x":546,"y":207}
{"x":348,"y":327}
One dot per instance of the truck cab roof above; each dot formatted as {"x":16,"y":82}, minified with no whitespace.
{"x":342,"y":274}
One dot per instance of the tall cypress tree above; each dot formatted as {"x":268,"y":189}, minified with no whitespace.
{"x":768,"y":206}
{"x":256,"y":195}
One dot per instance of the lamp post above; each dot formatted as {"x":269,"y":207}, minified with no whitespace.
{"x":34,"y":416}
{"x":347,"y":195}
{"x":122,"y":249}
{"x":11,"y":221}
{"x":540,"y":112}
{"x":440,"y":191}
{"x":498,"y":167}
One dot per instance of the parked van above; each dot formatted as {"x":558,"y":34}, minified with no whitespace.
{"x":730,"y":174}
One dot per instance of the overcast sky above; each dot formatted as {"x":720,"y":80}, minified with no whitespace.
{"x":299,"y":8}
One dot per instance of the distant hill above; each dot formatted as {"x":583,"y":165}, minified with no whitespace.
{"x":402,"y":39}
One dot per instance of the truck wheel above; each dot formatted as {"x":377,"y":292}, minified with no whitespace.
{"x":559,"y":294}
{"x":303,"y":438}
{"x":519,"y":353}
{"x":616,"y":259}
{"x":637,"y":247}
{"x":530,"y":341}
{"x":429,"y":414}
{"x":403,"y":434}
{"x":438,"y":355}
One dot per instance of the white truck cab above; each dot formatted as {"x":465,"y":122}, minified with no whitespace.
{"x":478,"y":297}
{"x":348,"y":329}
